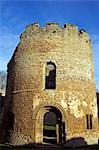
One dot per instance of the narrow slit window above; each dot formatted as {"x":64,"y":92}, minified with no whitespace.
{"x":89,"y":121}
{"x":50,"y":76}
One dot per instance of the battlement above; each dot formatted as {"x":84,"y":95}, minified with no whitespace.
{"x":52,"y":25}
{"x":54,"y":28}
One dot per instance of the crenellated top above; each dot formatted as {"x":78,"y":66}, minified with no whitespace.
{"x":52,"y":28}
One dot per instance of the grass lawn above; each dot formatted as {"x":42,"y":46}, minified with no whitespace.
{"x":48,"y":127}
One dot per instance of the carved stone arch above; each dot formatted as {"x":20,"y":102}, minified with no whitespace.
{"x":38,"y":116}
{"x":44,"y":104}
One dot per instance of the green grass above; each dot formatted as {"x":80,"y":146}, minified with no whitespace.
{"x":5,"y":146}
{"x":47,"y":127}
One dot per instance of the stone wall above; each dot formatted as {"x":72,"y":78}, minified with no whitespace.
{"x":75,"y":92}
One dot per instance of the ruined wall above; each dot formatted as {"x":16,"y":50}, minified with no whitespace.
{"x":75,"y":92}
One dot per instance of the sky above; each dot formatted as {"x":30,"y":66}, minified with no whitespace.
{"x":15,"y":15}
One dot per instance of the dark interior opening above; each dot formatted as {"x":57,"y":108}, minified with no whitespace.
{"x":50,"y":78}
{"x":89,"y":121}
{"x":53,"y":127}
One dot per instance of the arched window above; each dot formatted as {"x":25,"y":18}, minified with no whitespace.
{"x":50,"y":76}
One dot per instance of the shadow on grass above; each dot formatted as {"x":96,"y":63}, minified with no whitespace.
{"x":46,"y":147}
{"x":9,"y":147}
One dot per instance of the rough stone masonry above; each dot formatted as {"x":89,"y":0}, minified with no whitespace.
{"x":34,"y":89}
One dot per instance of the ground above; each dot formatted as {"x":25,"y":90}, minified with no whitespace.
{"x":46,"y":147}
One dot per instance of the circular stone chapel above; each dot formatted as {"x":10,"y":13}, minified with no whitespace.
{"x":51,"y":91}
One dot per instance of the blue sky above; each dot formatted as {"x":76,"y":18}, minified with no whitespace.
{"x":15,"y":15}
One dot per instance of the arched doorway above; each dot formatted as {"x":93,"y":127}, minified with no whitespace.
{"x":53,"y":127}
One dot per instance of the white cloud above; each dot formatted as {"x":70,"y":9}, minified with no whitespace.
{"x":8,"y":43}
{"x":3,"y":63}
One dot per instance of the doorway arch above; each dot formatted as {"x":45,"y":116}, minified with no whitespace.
{"x":49,"y":125}
{"x":53,"y":127}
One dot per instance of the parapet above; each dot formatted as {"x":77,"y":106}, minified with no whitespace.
{"x":50,"y":26}
{"x":54,"y":30}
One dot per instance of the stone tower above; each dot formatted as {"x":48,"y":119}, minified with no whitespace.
{"x":51,"y":95}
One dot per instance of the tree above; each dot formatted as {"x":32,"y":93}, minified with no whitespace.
{"x":3,"y":79}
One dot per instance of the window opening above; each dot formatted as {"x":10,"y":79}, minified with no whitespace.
{"x":89,"y":121}
{"x":50,"y":78}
